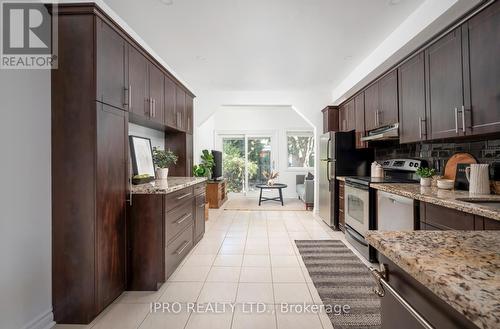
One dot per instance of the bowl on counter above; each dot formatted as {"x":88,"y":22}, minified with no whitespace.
{"x":445,"y":184}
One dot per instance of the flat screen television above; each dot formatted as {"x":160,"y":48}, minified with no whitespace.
{"x":217,"y":170}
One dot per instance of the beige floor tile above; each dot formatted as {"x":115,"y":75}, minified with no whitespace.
{"x":228,"y":249}
{"x":210,"y":321}
{"x":191,"y":273}
{"x":287,"y":274}
{"x":255,"y":293}
{"x":256,"y":261}
{"x":257,"y":250}
{"x":314,"y":293}
{"x":199,"y":260}
{"x":246,"y":319}
{"x":224,"y":274}
{"x":182,"y":292}
{"x":256,"y":274}
{"x":284,"y":261}
{"x":221,"y":292}
{"x":229,"y":260}
{"x":123,"y":316}
{"x":163,"y":320}
{"x":298,"y":321}
{"x":293,"y":293}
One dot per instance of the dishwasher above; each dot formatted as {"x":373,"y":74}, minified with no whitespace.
{"x":394,"y":212}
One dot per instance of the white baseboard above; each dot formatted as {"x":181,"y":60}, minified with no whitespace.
{"x":43,"y":321}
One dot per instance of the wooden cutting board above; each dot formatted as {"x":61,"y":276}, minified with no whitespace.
{"x":450,"y":170}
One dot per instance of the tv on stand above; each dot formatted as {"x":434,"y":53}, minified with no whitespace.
{"x":217,"y":169}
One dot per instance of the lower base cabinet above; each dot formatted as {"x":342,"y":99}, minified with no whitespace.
{"x":161,"y":230}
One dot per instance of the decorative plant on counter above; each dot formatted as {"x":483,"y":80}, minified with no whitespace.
{"x":162,"y":160}
{"x":426,"y":175}
{"x":204,"y":169}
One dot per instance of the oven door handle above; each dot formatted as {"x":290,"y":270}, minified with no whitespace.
{"x":356,"y":236}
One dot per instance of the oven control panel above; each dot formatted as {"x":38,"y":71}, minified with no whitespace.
{"x":403,"y":164}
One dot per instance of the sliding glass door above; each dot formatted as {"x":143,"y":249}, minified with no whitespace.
{"x":246,"y":158}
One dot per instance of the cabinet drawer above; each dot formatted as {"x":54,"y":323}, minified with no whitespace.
{"x":445,"y":218}
{"x":176,"y":198}
{"x":199,"y":189}
{"x":178,"y":219}
{"x":178,"y":249}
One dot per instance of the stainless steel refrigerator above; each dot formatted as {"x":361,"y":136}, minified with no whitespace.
{"x":338,"y":157}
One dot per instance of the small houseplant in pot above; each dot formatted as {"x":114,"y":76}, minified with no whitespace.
{"x":426,"y":175}
{"x":204,"y":169}
{"x":162,"y":160}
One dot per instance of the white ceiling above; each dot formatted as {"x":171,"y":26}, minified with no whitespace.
{"x":263,"y":44}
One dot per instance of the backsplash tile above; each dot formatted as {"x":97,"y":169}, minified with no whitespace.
{"x":486,"y":151}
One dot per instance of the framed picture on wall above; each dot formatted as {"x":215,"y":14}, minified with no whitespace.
{"x":141,"y":153}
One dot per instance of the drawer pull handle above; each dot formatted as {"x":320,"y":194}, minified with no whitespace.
{"x":181,"y":248}
{"x":186,"y":216}
{"x":380,"y":276}
{"x":183,"y":196}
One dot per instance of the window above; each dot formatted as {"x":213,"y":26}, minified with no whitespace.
{"x":300,"y":146}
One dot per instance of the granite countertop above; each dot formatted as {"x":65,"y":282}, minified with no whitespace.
{"x":460,"y":267}
{"x":166,"y":186}
{"x":445,"y":198}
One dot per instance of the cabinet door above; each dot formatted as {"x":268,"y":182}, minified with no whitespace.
{"x":371,"y":107}
{"x":199,"y":218}
{"x":343,"y":118}
{"x":359,"y":110}
{"x":156,"y":94}
{"x":484,"y":68}
{"x":189,"y":155}
{"x":111,"y":190}
{"x":111,"y":63}
{"x":388,"y":99}
{"x":412,"y":118}
{"x":351,"y":115}
{"x":170,"y":111}
{"x":444,"y":86}
{"x":180,"y":108}
{"x":138,"y":82}
{"x":189,"y":114}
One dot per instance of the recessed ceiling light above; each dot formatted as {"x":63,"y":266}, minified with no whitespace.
{"x":167,"y":2}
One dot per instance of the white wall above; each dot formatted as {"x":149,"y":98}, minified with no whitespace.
{"x":25,"y":223}
{"x":275,"y":121}
{"x":157,"y":137}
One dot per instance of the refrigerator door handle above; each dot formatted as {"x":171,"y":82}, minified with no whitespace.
{"x":328,"y":150}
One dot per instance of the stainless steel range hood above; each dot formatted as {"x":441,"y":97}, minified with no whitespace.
{"x":383,"y":133}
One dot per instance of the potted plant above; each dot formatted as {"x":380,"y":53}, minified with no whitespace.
{"x":162,"y":160}
{"x":426,"y":175}
{"x":204,"y":169}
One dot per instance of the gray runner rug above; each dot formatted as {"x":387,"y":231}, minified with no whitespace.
{"x":342,"y":279}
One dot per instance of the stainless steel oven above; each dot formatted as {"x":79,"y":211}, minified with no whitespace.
{"x":357,"y":215}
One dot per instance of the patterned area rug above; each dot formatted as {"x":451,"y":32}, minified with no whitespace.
{"x":342,"y":279}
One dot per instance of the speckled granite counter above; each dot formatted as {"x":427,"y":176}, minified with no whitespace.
{"x":166,"y":186}
{"x":460,"y":267}
{"x":444,"y":198}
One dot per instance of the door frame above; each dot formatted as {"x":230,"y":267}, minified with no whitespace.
{"x":246,"y":134}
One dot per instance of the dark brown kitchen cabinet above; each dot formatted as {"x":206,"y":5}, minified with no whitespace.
{"x":347,"y":116}
{"x":371,"y":107}
{"x":156,"y":94}
{"x":170,"y":102}
{"x":444,"y":87}
{"x":388,"y":99}
{"x":189,"y":114}
{"x":359,"y":115}
{"x":138,"y":82}
{"x":199,"y":217}
{"x":330,"y":119}
{"x":180,"y":108}
{"x":381,"y":102}
{"x":181,"y":144}
{"x":482,"y":71}
{"x":412,"y":116}
{"x":343,"y":118}
{"x":111,"y":62}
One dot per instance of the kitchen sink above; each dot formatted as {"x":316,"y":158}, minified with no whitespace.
{"x":486,"y":203}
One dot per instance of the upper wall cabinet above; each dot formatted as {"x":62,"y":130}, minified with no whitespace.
{"x":359,"y":115}
{"x":381,"y":102}
{"x":111,"y":66}
{"x":330,"y":119}
{"x":180,"y":108}
{"x":412,"y":117}
{"x":482,"y":65}
{"x":189,"y":114}
{"x":347,"y":116}
{"x":156,"y":94}
{"x":170,"y":101}
{"x":445,"y":86}
{"x":138,"y":82}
